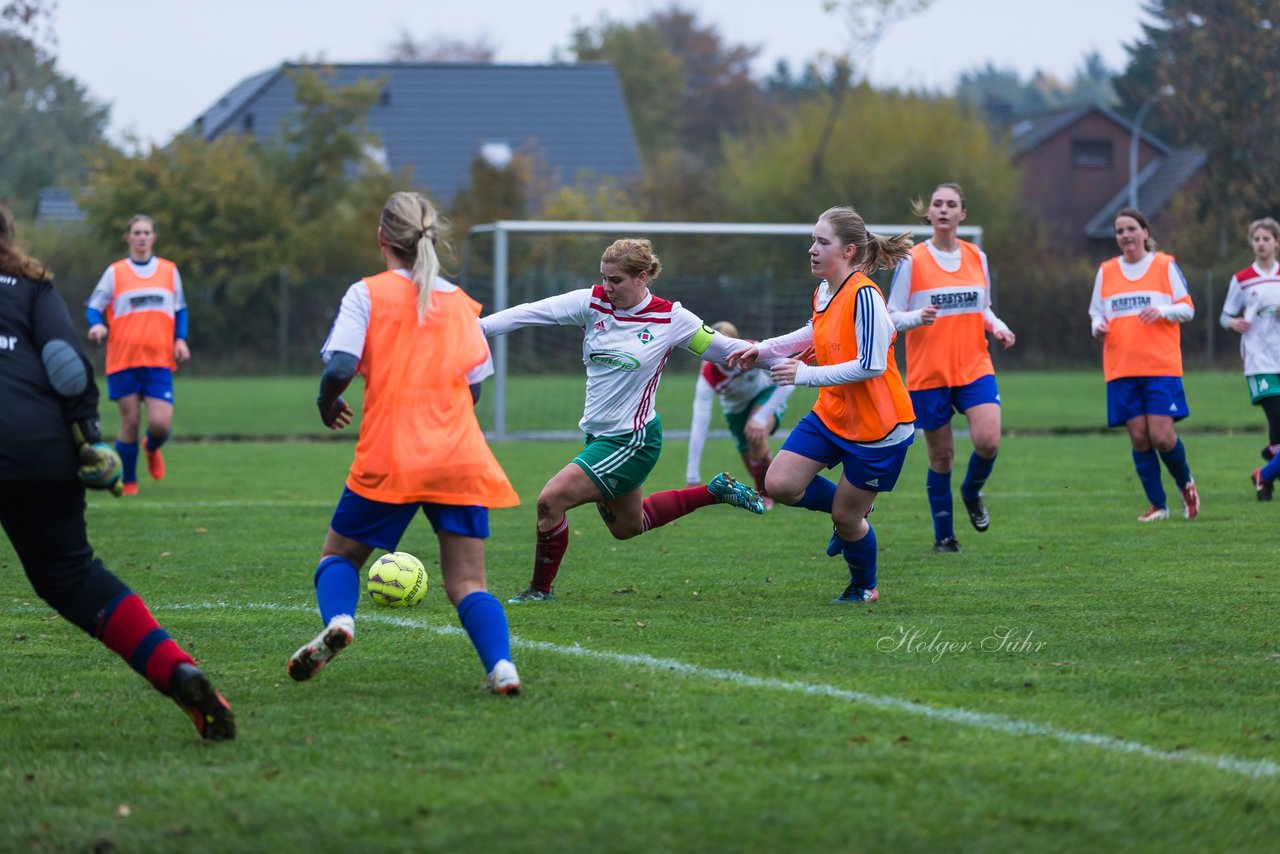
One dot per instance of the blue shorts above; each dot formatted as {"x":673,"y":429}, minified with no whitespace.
{"x":935,"y":406}
{"x":874,"y":469}
{"x":1129,"y":397}
{"x":156,"y":383}
{"x":381,"y":525}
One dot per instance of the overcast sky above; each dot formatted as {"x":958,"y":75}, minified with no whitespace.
{"x":160,"y":63}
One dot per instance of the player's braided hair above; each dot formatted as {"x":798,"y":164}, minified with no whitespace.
{"x":633,"y":256}
{"x":873,"y":252}
{"x":411,"y":227}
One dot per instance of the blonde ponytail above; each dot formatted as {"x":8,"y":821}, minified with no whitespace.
{"x":412,"y":228}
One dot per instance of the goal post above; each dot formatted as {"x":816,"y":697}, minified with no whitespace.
{"x":499,"y":297}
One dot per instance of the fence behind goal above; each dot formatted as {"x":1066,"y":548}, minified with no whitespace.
{"x":754,"y":275}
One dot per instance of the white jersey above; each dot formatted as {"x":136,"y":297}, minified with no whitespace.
{"x":1254,"y":294}
{"x":352,"y":324}
{"x":624,"y":350}
{"x":736,"y":389}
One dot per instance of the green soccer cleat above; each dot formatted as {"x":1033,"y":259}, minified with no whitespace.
{"x":531,"y":594}
{"x":728,"y":491}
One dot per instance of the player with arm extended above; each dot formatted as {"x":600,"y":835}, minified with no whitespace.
{"x":139,"y":310}
{"x":753,"y":408}
{"x":941,"y":299}
{"x":1139,"y":303}
{"x":863,"y":420}
{"x":52,"y":451}
{"x":416,"y":340}
{"x":1250,"y":309}
{"x":628,"y":333}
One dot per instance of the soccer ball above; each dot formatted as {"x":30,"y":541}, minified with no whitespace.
{"x":397,"y":580}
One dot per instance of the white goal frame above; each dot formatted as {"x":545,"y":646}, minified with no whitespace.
{"x":503,"y":229}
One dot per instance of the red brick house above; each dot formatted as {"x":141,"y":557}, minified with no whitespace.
{"x":1075,"y":165}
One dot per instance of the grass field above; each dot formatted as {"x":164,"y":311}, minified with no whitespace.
{"x":1071,"y":681}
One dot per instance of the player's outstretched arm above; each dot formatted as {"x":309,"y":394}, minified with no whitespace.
{"x":338,"y":372}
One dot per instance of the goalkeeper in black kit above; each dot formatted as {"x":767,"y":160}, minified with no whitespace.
{"x":52,"y":451}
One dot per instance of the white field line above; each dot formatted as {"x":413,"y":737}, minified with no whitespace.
{"x":1256,"y":768}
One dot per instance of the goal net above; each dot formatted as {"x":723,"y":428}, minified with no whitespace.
{"x":754,"y":275}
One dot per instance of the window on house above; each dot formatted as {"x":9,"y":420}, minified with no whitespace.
{"x":248,"y":122}
{"x":1091,"y":153}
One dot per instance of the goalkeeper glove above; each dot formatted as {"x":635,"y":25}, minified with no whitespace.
{"x":100,"y":466}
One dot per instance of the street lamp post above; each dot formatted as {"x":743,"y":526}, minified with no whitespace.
{"x":1133,"y":140}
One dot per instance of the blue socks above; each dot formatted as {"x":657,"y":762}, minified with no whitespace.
{"x":976,"y":476}
{"x":1147,"y":464}
{"x":337,"y":587}
{"x":486,"y":623}
{"x":1272,"y":469}
{"x":860,"y":555}
{"x":154,"y":442}
{"x":938,"y":487}
{"x":1175,"y":461}
{"x":128,"y":452}
{"x":819,"y":495}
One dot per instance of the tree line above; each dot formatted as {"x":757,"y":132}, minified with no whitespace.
{"x":272,"y":231}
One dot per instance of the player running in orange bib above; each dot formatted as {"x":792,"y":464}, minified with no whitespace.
{"x":941,"y":298}
{"x":139,"y":310}
{"x":416,"y":340}
{"x":863,"y":419}
{"x":1139,"y":303}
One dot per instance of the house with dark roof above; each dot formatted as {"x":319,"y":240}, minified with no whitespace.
{"x":434,"y":119}
{"x":1075,"y":168}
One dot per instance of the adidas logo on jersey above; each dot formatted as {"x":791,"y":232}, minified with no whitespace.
{"x":599,"y":326}
{"x":874,"y":482}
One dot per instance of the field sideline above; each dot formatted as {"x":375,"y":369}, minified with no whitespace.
{"x":1072,"y":680}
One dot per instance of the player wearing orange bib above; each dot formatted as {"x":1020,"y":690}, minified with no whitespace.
{"x":941,"y":298}
{"x":417,"y":341}
{"x":1139,"y":301}
{"x":863,"y":420}
{"x":140,"y":300}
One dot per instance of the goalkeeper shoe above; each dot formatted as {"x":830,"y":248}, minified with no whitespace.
{"x":503,"y":679}
{"x":308,"y":660}
{"x":155,"y":464}
{"x":728,"y":491}
{"x":857,"y":594}
{"x":211,"y":714}
{"x":531,"y":594}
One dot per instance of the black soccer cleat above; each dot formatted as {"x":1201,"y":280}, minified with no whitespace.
{"x":948,"y":546}
{"x":192,"y":690}
{"x":977,"y":513}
